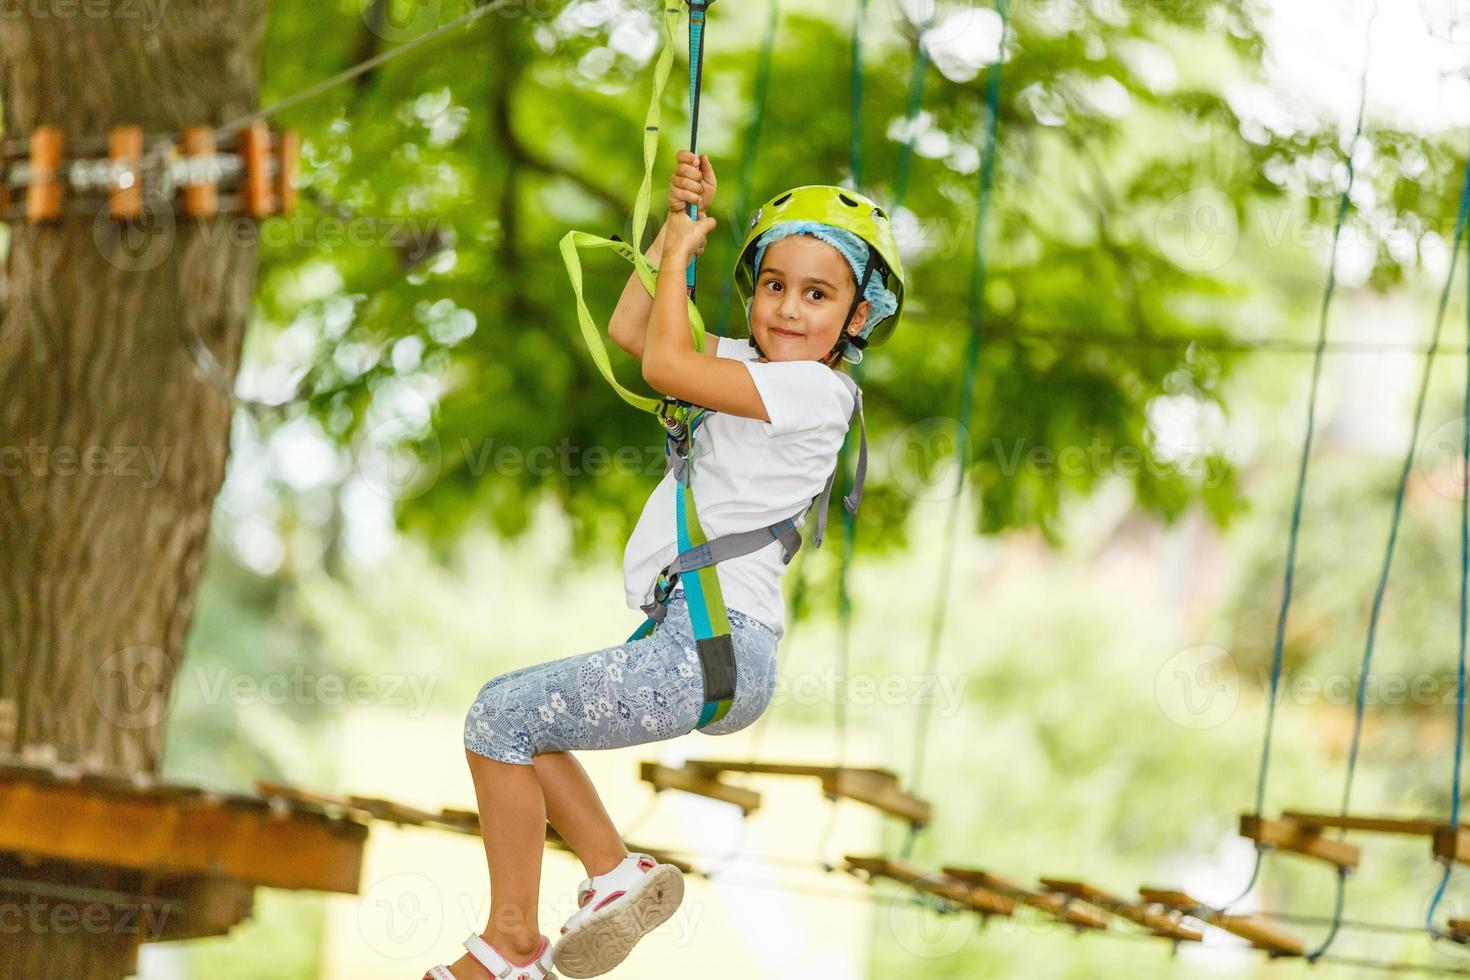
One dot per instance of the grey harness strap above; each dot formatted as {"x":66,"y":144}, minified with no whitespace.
{"x":786,"y":531}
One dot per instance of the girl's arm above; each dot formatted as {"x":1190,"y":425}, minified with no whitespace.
{"x":670,"y":362}
{"x":629,"y":323}
{"x":693,"y":182}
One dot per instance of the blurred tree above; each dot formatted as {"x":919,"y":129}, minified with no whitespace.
{"x":115,"y":449}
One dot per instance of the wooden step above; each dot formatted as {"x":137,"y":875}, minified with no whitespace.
{"x":974,"y":897}
{"x":1159,"y":923}
{"x":1067,"y":908}
{"x":877,"y":788}
{"x":1258,"y":931}
{"x":1448,"y":842}
{"x":1299,"y":837}
{"x":1377,"y":825}
{"x":459,"y":821}
{"x":700,"y":782}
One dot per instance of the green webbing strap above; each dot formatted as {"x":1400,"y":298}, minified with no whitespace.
{"x":574,"y":241}
{"x":707,"y":613}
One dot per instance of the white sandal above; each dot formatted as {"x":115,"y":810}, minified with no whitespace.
{"x":537,"y":967}
{"x":615,"y":910}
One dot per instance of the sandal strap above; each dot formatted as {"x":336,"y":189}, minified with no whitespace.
{"x":501,"y":967}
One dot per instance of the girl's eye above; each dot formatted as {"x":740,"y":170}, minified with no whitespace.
{"x":772,"y":282}
{"x":819,"y":293}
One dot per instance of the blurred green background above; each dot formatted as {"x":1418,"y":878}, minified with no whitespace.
{"x":1166,"y":181}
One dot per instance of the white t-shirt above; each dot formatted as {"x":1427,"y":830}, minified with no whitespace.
{"x":749,"y":474}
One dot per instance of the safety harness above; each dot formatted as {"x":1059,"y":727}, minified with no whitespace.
{"x":694,"y":565}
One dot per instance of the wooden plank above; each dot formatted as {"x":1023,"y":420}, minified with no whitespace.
{"x":294,"y":794}
{"x":775,"y":768}
{"x":201,"y":200}
{"x":1257,"y":931}
{"x":125,"y":192}
{"x":877,"y":788}
{"x":45,"y":192}
{"x":1377,"y":825}
{"x":1299,"y":838}
{"x":1452,"y":844}
{"x":1167,"y":926}
{"x":72,"y":822}
{"x":1063,"y":907}
{"x":257,"y":194}
{"x":700,"y":782}
{"x":937,"y":883}
{"x":208,"y":905}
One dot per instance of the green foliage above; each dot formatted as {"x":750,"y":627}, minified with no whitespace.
{"x":452,"y":173}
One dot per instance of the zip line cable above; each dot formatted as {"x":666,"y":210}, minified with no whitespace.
{"x":747,"y":159}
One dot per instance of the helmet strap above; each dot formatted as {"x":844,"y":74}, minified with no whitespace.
{"x":843,"y":337}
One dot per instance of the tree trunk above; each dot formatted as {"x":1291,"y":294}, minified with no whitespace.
{"x":112,"y":441}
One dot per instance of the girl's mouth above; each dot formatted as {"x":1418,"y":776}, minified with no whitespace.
{"x":783,"y":333}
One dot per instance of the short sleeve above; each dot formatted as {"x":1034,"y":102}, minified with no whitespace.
{"x":801,"y":395}
{"x":734,"y":348}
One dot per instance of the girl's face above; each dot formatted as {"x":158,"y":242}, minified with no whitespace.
{"x":802,"y":292}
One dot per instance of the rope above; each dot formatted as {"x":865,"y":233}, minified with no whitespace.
{"x":697,"y":9}
{"x":855,"y":140}
{"x":747,"y":160}
{"x":347,"y":75}
{"x":1464,"y":589}
{"x":1382,"y":586}
{"x":849,"y":523}
{"x":967,"y":395}
{"x":1294,"y":532}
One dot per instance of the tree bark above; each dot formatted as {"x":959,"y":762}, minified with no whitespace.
{"x":112,"y":442}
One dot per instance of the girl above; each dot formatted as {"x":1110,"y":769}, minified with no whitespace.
{"x":829,"y":282}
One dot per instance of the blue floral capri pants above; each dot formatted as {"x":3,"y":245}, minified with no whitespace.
{"x":646,"y":690}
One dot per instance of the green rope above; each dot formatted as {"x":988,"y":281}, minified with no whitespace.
{"x":1294,"y":530}
{"x":967,"y":388}
{"x":1444,"y":880}
{"x":849,"y":523}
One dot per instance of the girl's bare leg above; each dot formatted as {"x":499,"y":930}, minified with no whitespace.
{"x":577,"y":813}
{"x":515,"y":802}
{"x":513,"y":825}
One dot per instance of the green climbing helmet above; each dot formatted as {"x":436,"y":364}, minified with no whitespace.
{"x":841,"y":208}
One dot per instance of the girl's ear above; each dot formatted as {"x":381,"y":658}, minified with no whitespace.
{"x":859,"y":317}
